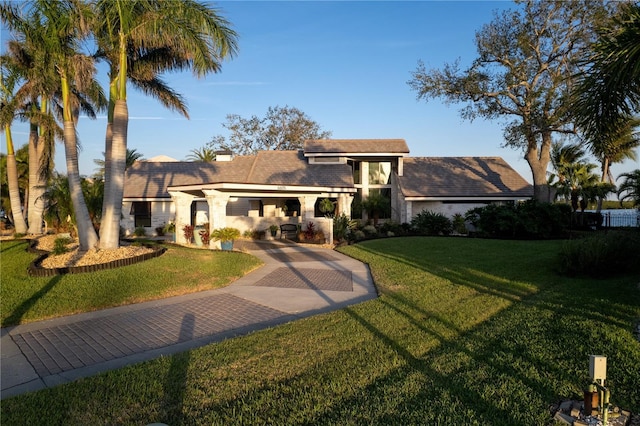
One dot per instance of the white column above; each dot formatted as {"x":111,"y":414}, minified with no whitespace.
{"x":182,"y":203}
{"x":217,"y":202}
{"x":307,"y":210}
{"x":344,"y":204}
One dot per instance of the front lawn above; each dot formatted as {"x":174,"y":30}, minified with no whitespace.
{"x":465,"y":332}
{"x":180,"y":270}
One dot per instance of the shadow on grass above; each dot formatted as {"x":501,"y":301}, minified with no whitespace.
{"x":175,"y":384}
{"x":20,"y":311}
{"x":11,"y":245}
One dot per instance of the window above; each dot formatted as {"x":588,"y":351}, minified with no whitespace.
{"x":356,"y":172}
{"x":141,"y":211}
{"x":379,"y":173}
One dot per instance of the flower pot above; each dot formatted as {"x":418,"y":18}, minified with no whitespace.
{"x":197,"y":238}
{"x":226,"y":245}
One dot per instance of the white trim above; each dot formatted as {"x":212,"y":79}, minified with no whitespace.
{"x":356,"y":154}
{"x":469,"y":199}
{"x":261,"y":188}
{"x":338,"y":159}
{"x":132,"y":199}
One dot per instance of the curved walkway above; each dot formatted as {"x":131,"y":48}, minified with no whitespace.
{"x":294,"y":282}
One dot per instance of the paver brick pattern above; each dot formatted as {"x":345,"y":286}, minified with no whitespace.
{"x":308,"y":279}
{"x":288,"y":256}
{"x":65,"y":347}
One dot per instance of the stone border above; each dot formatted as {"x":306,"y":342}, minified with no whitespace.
{"x":35,"y":270}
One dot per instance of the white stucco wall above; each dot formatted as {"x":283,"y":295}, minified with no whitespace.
{"x":447,"y":209}
{"x":161,"y":213}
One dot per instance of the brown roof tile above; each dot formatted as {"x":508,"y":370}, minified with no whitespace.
{"x":151,"y":180}
{"x":465,"y":177}
{"x":360,"y":146}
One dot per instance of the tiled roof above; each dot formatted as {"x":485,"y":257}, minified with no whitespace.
{"x":465,"y":177}
{"x":359,"y":146}
{"x":287,"y":168}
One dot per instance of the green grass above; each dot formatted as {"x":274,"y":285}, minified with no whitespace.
{"x":180,"y":270}
{"x":465,"y":332}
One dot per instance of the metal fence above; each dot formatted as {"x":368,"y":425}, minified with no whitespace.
{"x":620,"y":219}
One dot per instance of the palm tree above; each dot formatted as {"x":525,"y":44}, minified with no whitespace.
{"x":630,"y":187}
{"x":132,"y":156}
{"x":564,"y":159}
{"x":616,"y":146}
{"x":6,"y":117}
{"x":31,"y":65}
{"x":64,"y":25}
{"x":59,"y":212}
{"x":157,"y":36}
{"x":607,"y":93}
{"x":203,"y":154}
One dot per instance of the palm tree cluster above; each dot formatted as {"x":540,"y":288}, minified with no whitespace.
{"x":574,"y":179}
{"x":606,"y":96}
{"x":48,"y":80}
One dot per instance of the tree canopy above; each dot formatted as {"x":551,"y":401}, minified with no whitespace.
{"x":520,"y":76}
{"x":282,"y":128}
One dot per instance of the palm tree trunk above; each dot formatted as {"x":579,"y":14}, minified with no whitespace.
{"x":107,"y":168}
{"x":33,"y":173}
{"x":87,"y":237}
{"x":38,"y":188}
{"x":110,"y":228}
{"x":108,"y":154}
{"x":14,"y":188}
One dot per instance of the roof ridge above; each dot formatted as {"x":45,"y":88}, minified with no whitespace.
{"x":253,"y":166}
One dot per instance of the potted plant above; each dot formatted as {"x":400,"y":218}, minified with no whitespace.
{"x":170,"y":228}
{"x":274,"y":230}
{"x":226,"y":236}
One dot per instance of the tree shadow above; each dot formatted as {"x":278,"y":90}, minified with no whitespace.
{"x":175,"y":384}
{"x":19,"y":312}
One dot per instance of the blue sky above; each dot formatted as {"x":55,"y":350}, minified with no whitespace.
{"x":345,"y":64}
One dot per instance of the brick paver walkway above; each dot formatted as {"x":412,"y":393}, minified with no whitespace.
{"x":84,"y":343}
{"x":294,"y":282}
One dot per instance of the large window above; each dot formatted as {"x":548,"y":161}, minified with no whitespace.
{"x":379,"y":173}
{"x":141,"y":211}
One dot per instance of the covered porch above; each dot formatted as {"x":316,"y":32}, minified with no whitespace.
{"x":255,"y":207}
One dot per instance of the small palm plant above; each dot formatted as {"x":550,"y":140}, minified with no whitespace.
{"x":225,"y":234}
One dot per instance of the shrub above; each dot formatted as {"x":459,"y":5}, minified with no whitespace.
{"x":160,"y":231}
{"x":358,"y":235}
{"x":187,"y":230}
{"x":169,"y":227}
{"x":601,"y":255}
{"x":60,"y":245}
{"x":459,"y":224}
{"x":391,"y":227}
{"x":370,"y":231}
{"x":528,"y":220}
{"x":310,"y":232}
{"x":431,"y":223}
{"x":140,"y":232}
{"x":343,"y":227}
{"x":204,"y":235}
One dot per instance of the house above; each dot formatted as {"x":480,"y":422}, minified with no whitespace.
{"x":276,"y":187}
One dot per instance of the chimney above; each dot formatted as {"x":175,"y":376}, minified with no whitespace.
{"x":224,"y":156}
